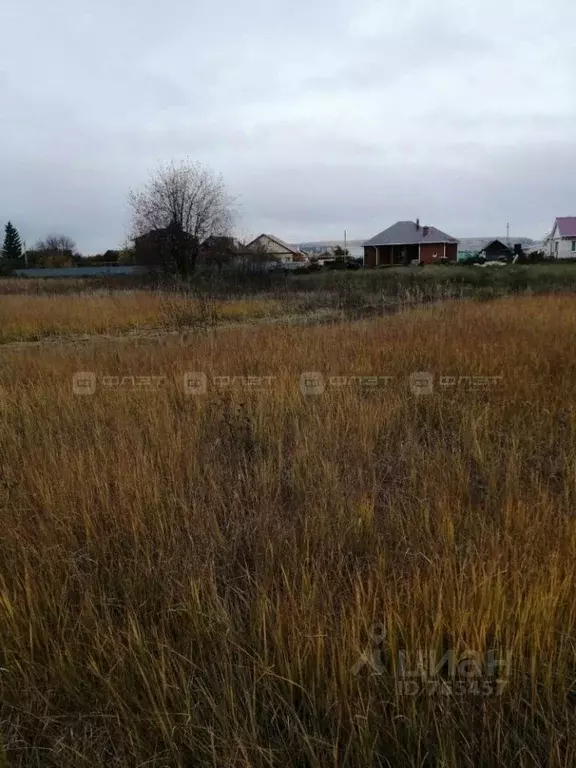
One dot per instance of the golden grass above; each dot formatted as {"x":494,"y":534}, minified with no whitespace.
{"x":30,"y":317}
{"x":191,"y":580}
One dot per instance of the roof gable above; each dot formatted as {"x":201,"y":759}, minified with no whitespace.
{"x":496,"y":245}
{"x":410,"y":233}
{"x":566,"y":226}
{"x":280,"y":243}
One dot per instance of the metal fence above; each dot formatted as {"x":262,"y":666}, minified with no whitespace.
{"x":80,"y":271}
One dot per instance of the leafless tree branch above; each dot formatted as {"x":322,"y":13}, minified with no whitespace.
{"x":56,"y":243}
{"x":189,"y":199}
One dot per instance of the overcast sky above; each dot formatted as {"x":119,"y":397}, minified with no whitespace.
{"x":322,"y":115}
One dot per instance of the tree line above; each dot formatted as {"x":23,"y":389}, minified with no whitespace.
{"x":53,"y":251}
{"x":183,"y":216}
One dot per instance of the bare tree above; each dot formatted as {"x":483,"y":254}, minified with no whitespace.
{"x":189,"y":203}
{"x":54,"y":243}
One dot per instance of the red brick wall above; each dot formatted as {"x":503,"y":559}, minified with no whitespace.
{"x":452,"y":251}
{"x":427,"y":252}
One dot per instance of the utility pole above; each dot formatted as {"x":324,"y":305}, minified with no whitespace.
{"x":508,"y":234}
{"x":345,"y":240}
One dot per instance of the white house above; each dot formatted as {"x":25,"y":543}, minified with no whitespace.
{"x":276,"y":248}
{"x":561,"y":242}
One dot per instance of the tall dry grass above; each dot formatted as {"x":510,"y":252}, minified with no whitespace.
{"x":35,"y":317}
{"x":191,"y":580}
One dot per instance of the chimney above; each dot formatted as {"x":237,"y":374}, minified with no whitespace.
{"x":417,"y":223}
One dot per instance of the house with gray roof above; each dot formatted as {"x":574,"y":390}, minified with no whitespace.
{"x":561,"y":242}
{"x":408,"y":241}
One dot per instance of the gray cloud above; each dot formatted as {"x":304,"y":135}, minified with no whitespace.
{"x":320,"y":115}
{"x":465,"y":201}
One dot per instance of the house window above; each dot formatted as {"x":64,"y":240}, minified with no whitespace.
{"x":574,"y":245}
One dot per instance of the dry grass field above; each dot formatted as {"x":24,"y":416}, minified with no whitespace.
{"x":232,"y":579}
{"x":31,"y":317}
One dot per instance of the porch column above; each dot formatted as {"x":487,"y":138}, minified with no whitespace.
{"x":419,"y":261}
{"x":444,"y":250}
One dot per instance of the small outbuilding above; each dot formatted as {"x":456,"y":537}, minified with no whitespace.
{"x":496,"y":251}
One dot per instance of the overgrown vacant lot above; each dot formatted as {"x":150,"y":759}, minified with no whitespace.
{"x":193,"y":579}
{"x":33,"y":310}
{"x":34,"y":317}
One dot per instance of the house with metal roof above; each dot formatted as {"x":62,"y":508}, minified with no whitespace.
{"x":408,"y":241}
{"x":561,"y":242}
{"x":277,"y":249}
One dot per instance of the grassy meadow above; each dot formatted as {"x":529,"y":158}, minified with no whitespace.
{"x":230,"y":575}
{"x":31,"y":317}
{"x":32,"y":309}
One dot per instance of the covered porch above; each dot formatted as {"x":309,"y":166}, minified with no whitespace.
{"x":396,"y":254}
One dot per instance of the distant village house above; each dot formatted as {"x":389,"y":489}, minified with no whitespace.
{"x":561,"y":243}
{"x":275,"y":249}
{"x":496,"y":249}
{"x":406,"y":242}
{"x":156,"y":248}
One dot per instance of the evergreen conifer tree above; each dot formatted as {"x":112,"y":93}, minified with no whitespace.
{"x":12,"y":243}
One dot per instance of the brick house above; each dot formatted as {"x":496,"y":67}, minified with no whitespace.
{"x":408,"y":241}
